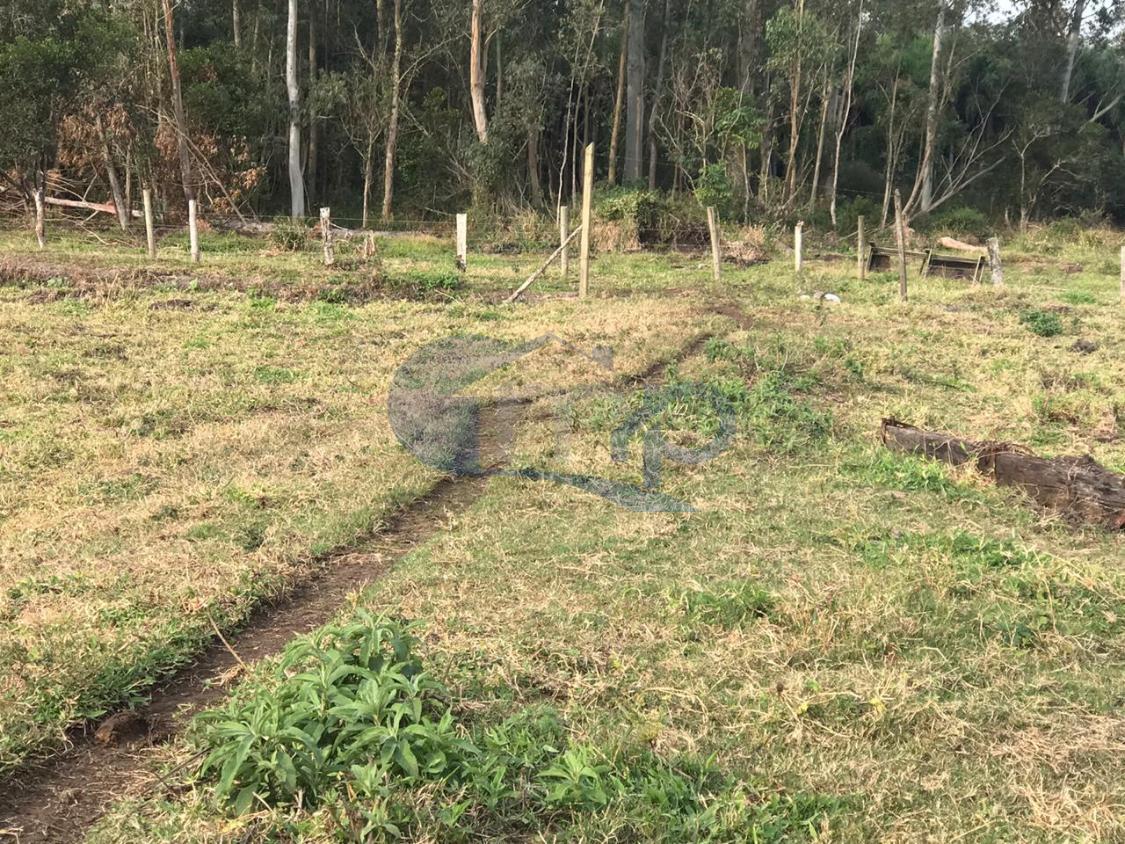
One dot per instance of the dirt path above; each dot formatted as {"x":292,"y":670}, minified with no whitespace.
{"x":58,"y":799}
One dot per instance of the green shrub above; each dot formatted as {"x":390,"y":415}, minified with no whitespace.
{"x":960,"y":221}
{"x":354,"y":724}
{"x":847,"y":216}
{"x":290,"y":235}
{"x":1043,"y":323}
{"x":353,"y":697}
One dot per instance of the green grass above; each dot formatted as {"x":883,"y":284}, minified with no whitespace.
{"x":838,"y":644}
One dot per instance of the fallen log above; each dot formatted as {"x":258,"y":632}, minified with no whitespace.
{"x":1080,"y":487}
{"x":961,"y":246}
{"x":103,"y":207}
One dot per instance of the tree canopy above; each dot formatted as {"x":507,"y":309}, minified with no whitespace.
{"x":811,"y":108}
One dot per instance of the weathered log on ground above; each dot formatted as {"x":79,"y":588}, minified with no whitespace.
{"x":961,"y":246}
{"x":101,"y":207}
{"x":1077,"y":486}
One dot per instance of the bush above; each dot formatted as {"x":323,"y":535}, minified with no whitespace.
{"x":290,"y":235}
{"x":1043,"y":323}
{"x":967,"y":222}
{"x":629,"y":218}
{"x":847,"y":216}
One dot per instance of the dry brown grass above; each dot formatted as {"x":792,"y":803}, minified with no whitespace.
{"x":941,"y":656}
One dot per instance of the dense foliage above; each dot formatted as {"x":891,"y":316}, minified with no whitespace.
{"x":807,"y":108}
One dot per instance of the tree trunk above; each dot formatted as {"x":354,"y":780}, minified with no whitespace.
{"x":314,"y":147}
{"x":618,"y":102}
{"x":368,"y":166}
{"x":748,"y":31}
{"x":842,"y":124}
{"x":178,"y":103}
{"x":657,"y":93}
{"x":392,"y":122}
{"x":236,"y":24}
{"x":925,"y":178}
{"x":40,"y":219}
{"x":1073,"y":39}
{"x":111,"y":175}
{"x":635,"y":92}
{"x":476,"y":73}
{"x":296,"y":180}
{"x":534,"y":186}
{"x":129,"y":179}
{"x":499,"y":69}
{"x":794,"y":117}
{"x":825,"y":98}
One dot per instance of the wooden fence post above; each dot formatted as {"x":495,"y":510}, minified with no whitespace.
{"x":462,"y":242}
{"x":861,"y":252}
{"x":900,"y":241}
{"x":326,"y":236}
{"x":587,"y":214}
{"x":564,"y":237}
{"x":150,"y":233}
{"x":713,"y":229}
{"x":994,"y":262}
{"x":799,"y":247}
{"x":193,"y":229}
{"x":40,"y":219}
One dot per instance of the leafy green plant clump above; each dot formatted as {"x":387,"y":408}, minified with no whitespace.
{"x":1043,"y":323}
{"x":355,"y":726}
{"x":427,"y":282}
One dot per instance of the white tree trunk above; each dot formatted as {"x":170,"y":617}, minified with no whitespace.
{"x":296,"y":179}
{"x":933,"y":112}
{"x":1072,"y":41}
{"x":111,"y":175}
{"x":842,"y":126}
{"x":178,"y":104}
{"x":392,"y":123}
{"x":619,"y":101}
{"x":476,"y":73}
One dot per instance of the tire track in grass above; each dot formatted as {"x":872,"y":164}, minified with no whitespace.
{"x":58,"y":799}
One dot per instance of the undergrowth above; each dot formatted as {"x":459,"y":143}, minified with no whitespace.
{"x":353,"y":725}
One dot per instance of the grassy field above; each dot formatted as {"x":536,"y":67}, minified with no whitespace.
{"x":838,"y":644}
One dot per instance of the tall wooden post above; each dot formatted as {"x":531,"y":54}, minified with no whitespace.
{"x":564,"y":236}
{"x":462,"y":242}
{"x":994,"y":262}
{"x":799,"y":248}
{"x":193,"y":229}
{"x":861,"y":252}
{"x":587,"y":215}
{"x":150,"y":233}
{"x":326,"y":236}
{"x":40,"y":218}
{"x":900,"y":241}
{"x":716,"y":257}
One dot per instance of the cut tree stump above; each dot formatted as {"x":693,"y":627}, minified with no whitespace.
{"x":1077,"y":486}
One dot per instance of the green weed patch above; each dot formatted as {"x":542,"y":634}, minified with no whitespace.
{"x":352,"y":722}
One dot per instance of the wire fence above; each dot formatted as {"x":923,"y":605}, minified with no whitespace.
{"x":347,"y":227}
